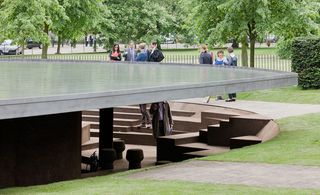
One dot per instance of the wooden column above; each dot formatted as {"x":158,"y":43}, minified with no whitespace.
{"x":106,"y":129}
{"x":41,"y":149}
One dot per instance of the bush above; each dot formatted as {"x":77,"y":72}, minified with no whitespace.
{"x":310,"y":78}
{"x":284,"y":49}
{"x":306,"y":61}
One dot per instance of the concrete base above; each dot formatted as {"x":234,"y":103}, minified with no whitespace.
{"x":40,"y":150}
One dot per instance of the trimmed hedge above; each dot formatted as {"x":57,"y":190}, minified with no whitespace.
{"x":306,"y":61}
{"x":310,"y":78}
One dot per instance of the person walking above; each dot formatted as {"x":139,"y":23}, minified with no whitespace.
{"x":162,"y":123}
{"x":232,"y":60}
{"x":155,"y":55}
{"x":130,"y":53}
{"x":145,"y":119}
{"x":115,"y":54}
{"x":205,"y":57}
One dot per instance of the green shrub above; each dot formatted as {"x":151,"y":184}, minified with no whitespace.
{"x":305,"y":53}
{"x":306,"y":61}
{"x":310,"y":78}
{"x":284,"y":49}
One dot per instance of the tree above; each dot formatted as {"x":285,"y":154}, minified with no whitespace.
{"x":304,"y":22}
{"x":137,"y":20}
{"x":253,"y":19}
{"x":30,"y":19}
{"x":179,"y":27}
{"x":83,"y":16}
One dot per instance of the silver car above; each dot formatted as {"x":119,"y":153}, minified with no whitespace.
{"x":6,"y":48}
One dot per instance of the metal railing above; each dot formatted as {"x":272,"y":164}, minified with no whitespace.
{"x":271,"y":62}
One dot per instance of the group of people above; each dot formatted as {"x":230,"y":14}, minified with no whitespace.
{"x":209,"y":58}
{"x":89,"y":40}
{"x":162,"y":123}
{"x":137,"y":55}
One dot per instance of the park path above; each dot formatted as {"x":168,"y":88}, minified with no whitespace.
{"x":251,"y":174}
{"x":271,"y":109}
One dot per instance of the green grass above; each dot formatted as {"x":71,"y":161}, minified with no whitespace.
{"x":287,"y":95}
{"x":298,"y":143}
{"x":121,"y":185}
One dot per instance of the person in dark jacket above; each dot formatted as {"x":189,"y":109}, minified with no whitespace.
{"x":142,"y":55}
{"x":155,"y":55}
{"x":162,"y":123}
{"x":205,"y":57}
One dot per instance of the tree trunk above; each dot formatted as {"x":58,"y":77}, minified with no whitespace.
{"x":244,"y":52}
{"x":22,"y":49}
{"x":44,"y":54}
{"x":59,"y":45}
{"x":95,"y":44}
{"x":252,"y":44}
{"x":252,"y":36}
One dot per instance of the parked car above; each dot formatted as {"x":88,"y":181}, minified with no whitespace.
{"x":271,"y":38}
{"x":31,"y":44}
{"x":7,"y":48}
{"x":168,"y":40}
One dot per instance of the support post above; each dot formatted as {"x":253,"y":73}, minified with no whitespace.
{"x":106,"y":130}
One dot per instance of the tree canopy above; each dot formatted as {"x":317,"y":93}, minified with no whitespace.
{"x":194,"y":21}
{"x":250,"y":20}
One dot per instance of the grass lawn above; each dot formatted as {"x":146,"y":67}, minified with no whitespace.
{"x":285,"y":95}
{"x":298,"y":143}
{"x":120,"y":185}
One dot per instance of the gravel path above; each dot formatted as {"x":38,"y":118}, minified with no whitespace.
{"x":270,"y":109}
{"x":253,"y":174}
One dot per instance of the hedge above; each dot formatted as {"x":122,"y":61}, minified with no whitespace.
{"x":306,"y":61}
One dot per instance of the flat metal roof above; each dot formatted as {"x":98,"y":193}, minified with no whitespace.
{"x":31,"y":88}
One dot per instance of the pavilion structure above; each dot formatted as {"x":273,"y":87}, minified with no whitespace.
{"x":41,"y":104}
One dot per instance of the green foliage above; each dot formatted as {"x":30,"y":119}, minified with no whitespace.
{"x":83,"y":17}
{"x":309,"y":78}
{"x":284,"y":48}
{"x":219,"y":21}
{"x":30,"y":19}
{"x":306,"y":61}
{"x":286,"y":95}
{"x":304,"y":21}
{"x":136,"y":20}
{"x":305,"y":53}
